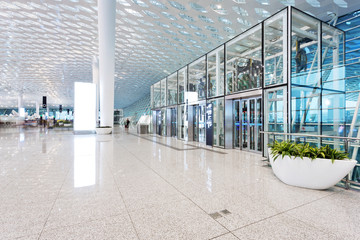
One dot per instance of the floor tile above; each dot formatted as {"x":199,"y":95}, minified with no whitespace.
{"x":337,"y":214}
{"x":116,"y":227}
{"x":281,"y":227}
{"x":176,"y":220}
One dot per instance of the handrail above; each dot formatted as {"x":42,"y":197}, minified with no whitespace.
{"x":310,"y":135}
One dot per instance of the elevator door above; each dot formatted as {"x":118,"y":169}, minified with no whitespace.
{"x":248,"y":124}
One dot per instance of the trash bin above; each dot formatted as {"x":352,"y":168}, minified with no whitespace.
{"x":143,"y":129}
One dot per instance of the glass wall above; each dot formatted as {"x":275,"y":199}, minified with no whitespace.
{"x":275,"y":114}
{"x":182,"y":122}
{"x":163,"y":92}
{"x":157,"y":94}
{"x":163,"y":122}
{"x":172,"y":89}
{"x":244,"y":61}
{"x":275,"y":49}
{"x":197,"y":81}
{"x":152,"y":103}
{"x":182,"y":84}
{"x":218,"y":122}
{"x":215,"y":69}
{"x":333,"y":82}
{"x":305,"y":74}
{"x":300,"y":67}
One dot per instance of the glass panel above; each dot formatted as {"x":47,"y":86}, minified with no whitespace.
{"x":172,"y":89}
{"x":163,"y":92}
{"x":158,"y":122}
{"x":252,"y":124}
{"x":305,"y":74}
{"x":182,"y":84}
{"x":274,"y":114}
{"x":333,"y":83}
{"x":218,"y":122}
{"x":215,"y":68}
{"x":152,"y":103}
{"x":197,"y":81}
{"x":244,"y":124}
{"x":275,"y":37}
{"x":173,"y":122}
{"x":196,"y":123}
{"x":259,"y":124}
{"x":163,"y":122}
{"x":243,"y":61}
{"x":236,"y":126}
{"x":202,"y":130}
{"x":183,"y":124}
{"x":157,"y":94}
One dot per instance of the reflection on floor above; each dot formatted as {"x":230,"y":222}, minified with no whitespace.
{"x":56,"y":185}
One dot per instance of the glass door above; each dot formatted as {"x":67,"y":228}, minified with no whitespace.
{"x":236,"y":122}
{"x":248,"y":124}
{"x":196,"y":123}
{"x":201,"y":121}
{"x":158,"y":122}
{"x":244,"y":124}
{"x":173,"y":122}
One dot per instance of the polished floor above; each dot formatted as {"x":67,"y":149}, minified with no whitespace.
{"x":56,"y":185}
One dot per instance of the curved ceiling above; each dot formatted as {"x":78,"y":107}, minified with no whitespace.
{"x":47,"y":45}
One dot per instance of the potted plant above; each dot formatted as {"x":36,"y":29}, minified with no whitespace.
{"x":301,"y":165}
{"x":102,"y":130}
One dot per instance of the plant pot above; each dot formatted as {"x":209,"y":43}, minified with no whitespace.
{"x":319,"y":173}
{"x":103,"y":130}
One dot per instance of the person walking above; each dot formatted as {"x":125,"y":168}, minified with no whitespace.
{"x":127,"y":124}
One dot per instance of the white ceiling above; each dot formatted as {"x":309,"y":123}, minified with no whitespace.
{"x":47,"y":45}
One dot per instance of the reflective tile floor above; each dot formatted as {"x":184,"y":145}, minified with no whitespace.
{"x":56,"y":185}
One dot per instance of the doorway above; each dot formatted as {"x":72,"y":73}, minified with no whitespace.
{"x":173,"y":122}
{"x":247,"y":124}
{"x":199,"y":123}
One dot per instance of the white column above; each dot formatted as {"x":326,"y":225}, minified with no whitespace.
{"x":20,"y":102}
{"x":37,"y":109}
{"x":95,"y":73}
{"x":106,"y":29}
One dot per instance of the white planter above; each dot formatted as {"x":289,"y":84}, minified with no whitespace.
{"x":315,"y":174}
{"x":103,"y":131}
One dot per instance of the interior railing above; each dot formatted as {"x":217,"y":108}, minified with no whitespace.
{"x":324,"y":139}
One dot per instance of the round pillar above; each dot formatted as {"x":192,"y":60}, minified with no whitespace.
{"x":106,"y":29}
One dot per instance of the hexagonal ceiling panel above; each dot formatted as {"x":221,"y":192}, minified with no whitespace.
{"x":47,"y":45}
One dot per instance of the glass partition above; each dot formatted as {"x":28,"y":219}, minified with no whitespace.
{"x":163,"y":92}
{"x":157,"y":94}
{"x":182,"y":84}
{"x":152,"y":103}
{"x":218,"y":122}
{"x":215,"y":69}
{"x":182,"y":123}
{"x":163,"y":122}
{"x":275,"y":101}
{"x":197,"y":81}
{"x":305,"y":74}
{"x":244,"y":61}
{"x":275,"y":49}
{"x":172,"y":89}
{"x":333,"y":82}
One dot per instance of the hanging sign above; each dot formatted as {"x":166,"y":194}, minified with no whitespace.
{"x":209,"y":124}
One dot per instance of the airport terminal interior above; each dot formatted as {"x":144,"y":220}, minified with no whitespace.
{"x":186,"y":119}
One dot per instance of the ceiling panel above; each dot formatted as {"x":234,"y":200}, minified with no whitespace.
{"x":47,"y":45}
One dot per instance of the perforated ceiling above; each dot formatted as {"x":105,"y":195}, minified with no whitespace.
{"x":47,"y":45}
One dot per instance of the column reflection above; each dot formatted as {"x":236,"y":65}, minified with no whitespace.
{"x":84,"y":161}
